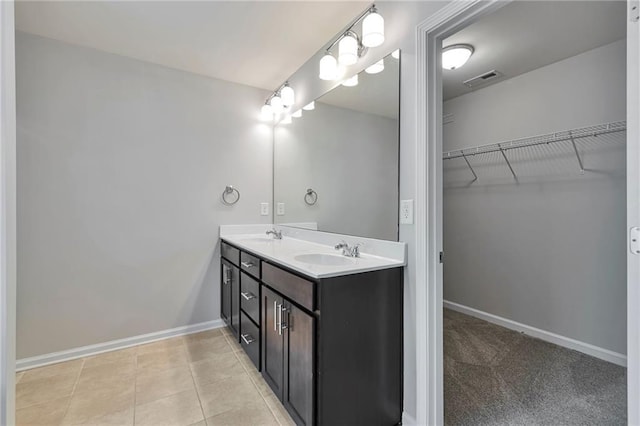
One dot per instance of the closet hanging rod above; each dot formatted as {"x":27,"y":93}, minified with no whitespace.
{"x":568,"y":135}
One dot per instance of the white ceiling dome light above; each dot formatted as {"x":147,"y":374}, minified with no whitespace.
{"x":455,"y":56}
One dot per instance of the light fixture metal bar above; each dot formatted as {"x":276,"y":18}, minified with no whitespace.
{"x":360,"y":17}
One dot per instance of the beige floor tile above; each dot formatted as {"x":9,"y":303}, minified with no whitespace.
{"x":229,"y":394}
{"x":180,"y":409}
{"x":203,"y":335}
{"x":165,"y":359}
{"x":119,"y":418}
{"x":216,"y":367}
{"x":152,"y":385}
{"x":99,"y":405}
{"x":50,"y":413}
{"x":19,"y":376}
{"x":111,"y":376}
{"x":198,"y":351}
{"x":52,"y":370}
{"x":279,"y":411}
{"x":161,"y":345}
{"x":256,"y":415}
{"x":110,"y":357}
{"x":235,"y":345}
{"x":200,"y":423}
{"x":45,"y":389}
{"x":226,"y":330}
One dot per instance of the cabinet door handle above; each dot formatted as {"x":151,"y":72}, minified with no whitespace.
{"x":283,"y":312}
{"x":275,"y":319}
{"x":227,"y":275}
{"x":248,"y":295}
{"x":247,"y":264}
{"x":247,"y":338}
{"x":280,"y":319}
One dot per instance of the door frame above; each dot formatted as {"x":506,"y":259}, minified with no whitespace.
{"x":429,"y":182}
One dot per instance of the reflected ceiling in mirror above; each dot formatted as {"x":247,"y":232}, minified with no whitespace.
{"x":336,"y":167}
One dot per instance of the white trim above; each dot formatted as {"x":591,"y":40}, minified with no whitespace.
{"x":408,"y":420}
{"x":84,"y":351}
{"x":547,"y":336}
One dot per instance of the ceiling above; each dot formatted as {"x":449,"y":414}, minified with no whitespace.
{"x":377,"y":94}
{"x":526,"y":35}
{"x":259,"y":43}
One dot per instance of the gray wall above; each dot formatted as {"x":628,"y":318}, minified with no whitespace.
{"x":350,"y":159}
{"x":121,"y":165}
{"x":548,"y":252}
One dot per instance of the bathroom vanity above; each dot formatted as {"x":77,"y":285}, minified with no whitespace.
{"x":324,"y":330}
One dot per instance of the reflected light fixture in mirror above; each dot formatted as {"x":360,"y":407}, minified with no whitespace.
{"x":375,"y":68}
{"x":288,"y":95}
{"x":455,"y":56}
{"x":297,"y":114}
{"x":373,"y":29}
{"x":396,"y":54}
{"x":286,"y":119}
{"x":310,"y":106}
{"x":266,"y":112}
{"x":350,"y":82}
{"x":276,"y":104}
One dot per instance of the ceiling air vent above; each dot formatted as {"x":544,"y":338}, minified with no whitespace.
{"x":482,"y":79}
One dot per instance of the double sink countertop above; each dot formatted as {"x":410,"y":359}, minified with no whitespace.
{"x":312,"y":253}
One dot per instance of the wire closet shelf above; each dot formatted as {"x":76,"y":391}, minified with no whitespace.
{"x":564,"y":136}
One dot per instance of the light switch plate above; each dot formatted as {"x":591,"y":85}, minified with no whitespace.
{"x":406,"y":212}
{"x":264,"y":209}
{"x":280,"y":209}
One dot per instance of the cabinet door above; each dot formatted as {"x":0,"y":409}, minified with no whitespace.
{"x":272,"y":341}
{"x":225,"y":292}
{"x":235,"y":301}
{"x":298,"y":360}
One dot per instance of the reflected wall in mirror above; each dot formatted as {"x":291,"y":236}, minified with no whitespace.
{"x":336,"y":168}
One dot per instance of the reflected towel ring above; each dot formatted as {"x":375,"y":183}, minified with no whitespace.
{"x":311,"y":197}
{"x":228,"y":192}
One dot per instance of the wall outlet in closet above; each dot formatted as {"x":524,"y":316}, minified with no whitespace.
{"x":406,"y":212}
{"x":280,"y":209}
{"x":264,"y":209}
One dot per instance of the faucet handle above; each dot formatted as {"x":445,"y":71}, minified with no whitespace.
{"x":342,"y":244}
{"x":355,"y":250}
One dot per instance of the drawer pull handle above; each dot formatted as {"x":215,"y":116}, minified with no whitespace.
{"x":248,"y":296}
{"x":247,"y":264}
{"x":247,"y":338}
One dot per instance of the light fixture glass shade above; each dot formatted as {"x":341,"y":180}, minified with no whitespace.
{"x":276,"y":104}
{"x":373,"y":30}
{"x":453,"y":57}
{"x":328,"y":67}
{"x":396,"y":54}
{"x":375,"y":68}
{"x":310,"y":106}
{"x":348,"y":50}
{"x":266,"y":112}
{"x":297,"y":114}
{"x":350,"y":82}
{"x":286,"y":120}
{"x":288,"y":96}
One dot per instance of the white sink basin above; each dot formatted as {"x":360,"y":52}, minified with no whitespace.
{"x":324,"y":259}
{"x":258,"y":240}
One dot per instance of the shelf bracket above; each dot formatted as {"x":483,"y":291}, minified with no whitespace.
{"x":508,"y":162}
{"x":475,"y":176}
{"x":575,"y":149}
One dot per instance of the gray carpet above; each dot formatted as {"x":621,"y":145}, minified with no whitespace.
{"x":495,"y":376}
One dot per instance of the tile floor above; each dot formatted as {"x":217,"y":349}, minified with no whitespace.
{"x":202,"y":379}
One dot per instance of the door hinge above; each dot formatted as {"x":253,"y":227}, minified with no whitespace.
{"x":634,"y":11}
{"x":634,"y":240}
{"x":441,"y":257}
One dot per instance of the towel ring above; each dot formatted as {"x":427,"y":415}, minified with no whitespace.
{"x":311,"y":197}
{"x":228,"y":192}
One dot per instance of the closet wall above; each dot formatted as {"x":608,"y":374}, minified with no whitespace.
{"x":548,"y":251}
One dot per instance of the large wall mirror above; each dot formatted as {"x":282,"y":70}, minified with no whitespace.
{"x":336,"y":168}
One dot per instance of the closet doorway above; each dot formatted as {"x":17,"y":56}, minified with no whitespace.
{"x":534,"y":202}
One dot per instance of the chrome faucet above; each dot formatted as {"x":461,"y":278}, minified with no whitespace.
{"x":277,"y":235}
{"x":349,"y":251}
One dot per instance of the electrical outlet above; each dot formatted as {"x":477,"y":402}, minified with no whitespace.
{"x":406,"y":212}
{"x":264,"y":209}
{"x":280,"y":209}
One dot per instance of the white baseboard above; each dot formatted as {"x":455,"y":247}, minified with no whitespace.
{"x":408,"y":420}
{"x":547,"y":336}
{"x":84,"y":351}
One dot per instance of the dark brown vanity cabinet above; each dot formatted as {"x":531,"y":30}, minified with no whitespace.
{"x":287,"y":354}
{"x":229,"y":296}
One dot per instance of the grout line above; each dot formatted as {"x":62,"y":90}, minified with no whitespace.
{"x":73,"y":390}
{"x":195,"y":386}
{"x":135,"y":386}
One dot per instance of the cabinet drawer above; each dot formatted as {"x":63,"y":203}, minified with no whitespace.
{"x":250,"y":264}
{"x":250,"y":297}
{"x":250,"y":339}
{"x":230,"y":253}
{"x":292,"y":286}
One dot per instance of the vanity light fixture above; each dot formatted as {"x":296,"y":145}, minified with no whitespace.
{"x":266,"y":112}
{"x":350,"y":82}
{"x":375,"y":68}
{"x":288,"y":95}
{"x":279,"y":100}
{"x":276,"y":104}
{"x":310,"y":106}
{"x":351,"y":46}
{"x":396,"y":54}
{"x":297,"y":114}
{"x":455,"y":56}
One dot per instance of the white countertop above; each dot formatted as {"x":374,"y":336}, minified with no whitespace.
{"x":284,"y":252}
